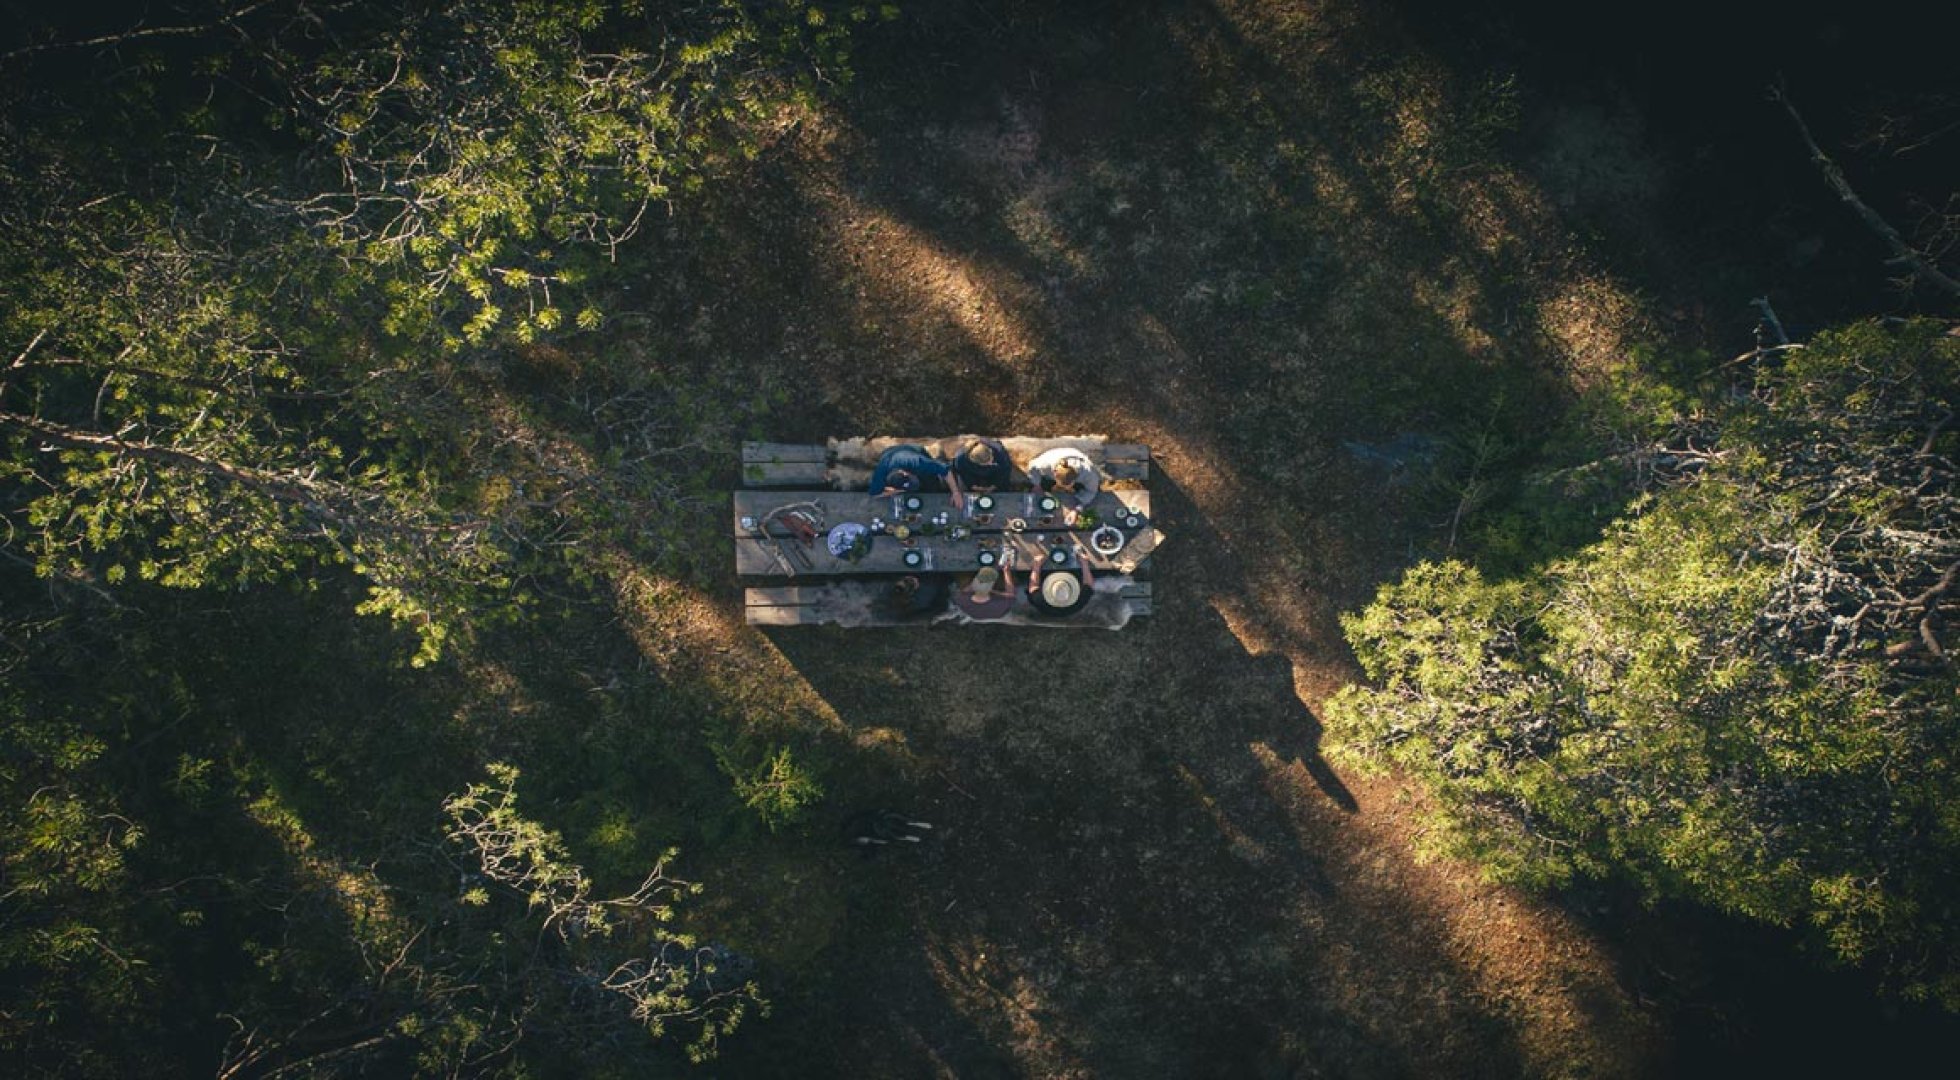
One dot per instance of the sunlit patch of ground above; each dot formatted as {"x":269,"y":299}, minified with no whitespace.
{"x":1142,"y":866}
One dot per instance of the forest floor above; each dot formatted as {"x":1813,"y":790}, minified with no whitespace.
{"x":1344,"y":265}
{"x":1253,"y":235}
{"x":1246,"y":235}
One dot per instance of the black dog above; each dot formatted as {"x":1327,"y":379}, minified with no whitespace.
{"x":880,"y":828}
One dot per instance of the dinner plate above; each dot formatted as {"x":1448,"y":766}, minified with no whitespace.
{"x":1058,"y":555}
{"x":984,"y":503}
{"x":844,"y":538}
{"x":1048,"y":504}
{"x":913,"y":558}
{"x":913,"y":502}
{"x":988,"y":558}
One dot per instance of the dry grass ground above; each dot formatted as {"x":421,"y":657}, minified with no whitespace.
{"x":1247,"y":234}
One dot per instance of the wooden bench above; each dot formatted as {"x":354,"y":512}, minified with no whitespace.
{"x":780,"y":465}
{"x":846,"y":464}
{"x":860,"y":603}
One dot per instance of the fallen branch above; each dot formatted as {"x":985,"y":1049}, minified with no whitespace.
{"x":1903,"y":254}
{"x":136,"y":33}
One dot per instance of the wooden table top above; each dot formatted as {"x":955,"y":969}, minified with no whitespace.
{"x":989,"y":534}
{"x":841,"y":506}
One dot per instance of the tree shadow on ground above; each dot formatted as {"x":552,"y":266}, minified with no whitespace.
{"x":1142,"y":865}
{"x":1150,"y":227}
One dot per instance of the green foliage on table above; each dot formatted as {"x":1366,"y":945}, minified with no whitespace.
{"x":1742,"y":694}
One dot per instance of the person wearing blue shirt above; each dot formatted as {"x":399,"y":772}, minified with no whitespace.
{"x":907,"y":468}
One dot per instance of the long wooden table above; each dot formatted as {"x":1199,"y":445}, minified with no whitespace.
{"x":988,"y":533}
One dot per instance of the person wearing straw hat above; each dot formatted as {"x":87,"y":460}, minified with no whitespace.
{"x":1060,"y":591}
{"x":987,"y":596}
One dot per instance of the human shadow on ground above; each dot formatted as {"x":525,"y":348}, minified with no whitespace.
{"x":1205,"y":564}
{"x":1143,"y":866}
{"x":1149,"y":868}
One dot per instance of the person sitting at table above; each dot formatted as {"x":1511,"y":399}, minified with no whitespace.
{"x":986,"y":596}
{"x":906,"y":468}
{"x":918,"y":596}
{"x":1054,"y":590}
{"x":983,"y":466}
{"x":1068,"y":474}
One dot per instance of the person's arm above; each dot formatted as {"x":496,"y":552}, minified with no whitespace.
{"x":953,"y":485}
{"x":1082,"y":560}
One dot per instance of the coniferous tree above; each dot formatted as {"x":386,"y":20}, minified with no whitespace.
{"x":1743,"y":694}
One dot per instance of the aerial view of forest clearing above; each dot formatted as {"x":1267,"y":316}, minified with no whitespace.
{"x":1547,"y":673}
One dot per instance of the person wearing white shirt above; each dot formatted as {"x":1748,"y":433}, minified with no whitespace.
{"x":1066,"y":471}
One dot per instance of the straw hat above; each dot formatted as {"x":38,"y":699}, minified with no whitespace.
{"x":983,"y":582}
{"x":1061,"y":590}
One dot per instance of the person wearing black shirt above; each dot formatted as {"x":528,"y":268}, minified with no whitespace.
{"x":919,"y":596}
{"x":983,"y":466}
{"x":1056,"y":590}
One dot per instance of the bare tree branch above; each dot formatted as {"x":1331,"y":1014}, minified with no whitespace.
{"x":1903,"y":254}
{"x":290,"y":488}
{"x":136,"y":33}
